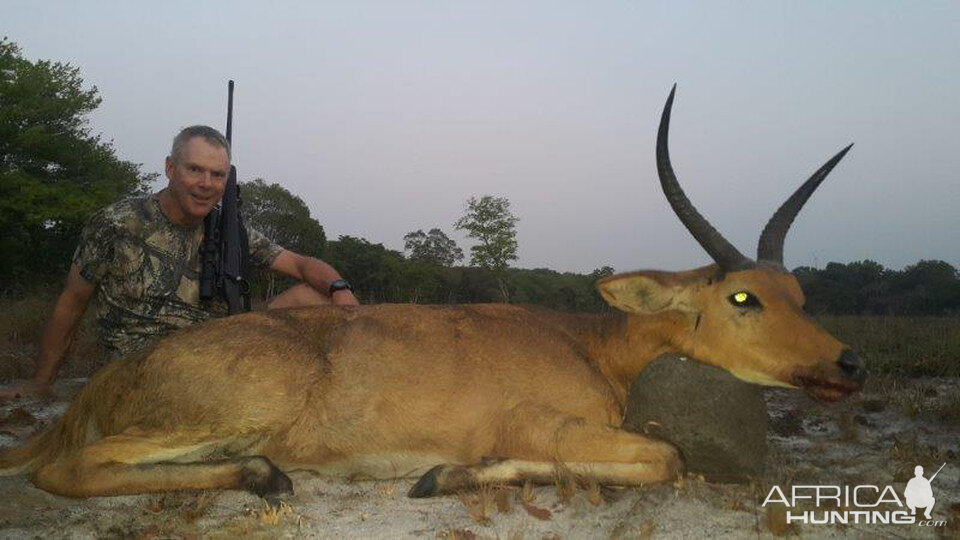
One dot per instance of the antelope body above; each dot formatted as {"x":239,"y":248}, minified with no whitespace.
{"x":461,"y":395}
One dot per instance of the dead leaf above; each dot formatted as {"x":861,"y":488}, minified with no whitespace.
{"x":540,"y":513}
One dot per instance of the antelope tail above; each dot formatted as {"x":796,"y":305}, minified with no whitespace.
{"x":66,"y":434}
{"x":38,"y":451}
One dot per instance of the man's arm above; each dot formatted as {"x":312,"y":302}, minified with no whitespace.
{"x":57,"y":335}
{"x":314,"y":272}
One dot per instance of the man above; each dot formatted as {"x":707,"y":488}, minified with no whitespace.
{"x":140,"y":256}
{"x":918,"y":492}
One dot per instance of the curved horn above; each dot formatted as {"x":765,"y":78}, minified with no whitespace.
{"x":770,"y":247}
{"x":716,"y":245}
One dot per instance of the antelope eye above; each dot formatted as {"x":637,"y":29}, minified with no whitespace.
{"x":743,"y":299}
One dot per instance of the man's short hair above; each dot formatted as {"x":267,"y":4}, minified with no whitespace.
{"x":209,"y":134}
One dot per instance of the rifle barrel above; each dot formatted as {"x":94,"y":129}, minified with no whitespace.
{"x":230,"y":112}
{"x":938,"y":471}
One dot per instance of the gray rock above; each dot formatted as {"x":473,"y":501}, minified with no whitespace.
{"x":718,"y":422}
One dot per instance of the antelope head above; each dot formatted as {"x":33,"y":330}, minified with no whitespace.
{"x":738,"y":314}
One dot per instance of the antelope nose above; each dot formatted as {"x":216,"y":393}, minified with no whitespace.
{"x":852,"y":365}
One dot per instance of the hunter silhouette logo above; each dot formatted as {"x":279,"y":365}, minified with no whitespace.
{"x":918,"y":493}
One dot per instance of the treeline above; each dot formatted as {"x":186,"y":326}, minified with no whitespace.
{"x":857,"y":288}
{"x":380,"y":274}
{"x":867,"y":288}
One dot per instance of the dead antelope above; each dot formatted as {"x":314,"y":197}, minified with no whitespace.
{"x":465,"y":394}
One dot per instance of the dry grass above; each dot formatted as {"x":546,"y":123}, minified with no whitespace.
{"x":527,"y":493}
{"x":21,"y":326}
{"x":504,"y":497}
{"x":915,"y":346}
{"x":481,"y":504}
{"x":565,"y":482}
{"x":918,"y":399}
{"x":950,"y":409}
{"x":387,"y":489}
{"x":273,"y":515}
{"x":776,"y":521}
{"x":909,"y":453}
{"x":457,"y":534}
{"x":594,"y":493}
{"x":631,"y":530}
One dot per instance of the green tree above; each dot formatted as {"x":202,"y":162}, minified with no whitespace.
{"x":53,"y":172}
{"x":434,"y":247}
{"x":377,"y":274}
{"x":489,"y":221}
{"x":602,"y":272}
{"x":282,"y":217}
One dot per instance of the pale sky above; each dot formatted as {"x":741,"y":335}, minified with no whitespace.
{"x":386,"y":116}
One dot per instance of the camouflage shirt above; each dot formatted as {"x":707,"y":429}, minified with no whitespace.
{"x":146,"y":271}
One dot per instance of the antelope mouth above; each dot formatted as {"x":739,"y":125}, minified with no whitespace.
{"x":826,"y":390}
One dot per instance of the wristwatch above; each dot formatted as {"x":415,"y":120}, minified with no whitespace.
{"x":340,"y":285}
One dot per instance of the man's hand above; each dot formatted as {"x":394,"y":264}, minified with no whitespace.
{"x":315,"y":273}
{"x":27,"y":390}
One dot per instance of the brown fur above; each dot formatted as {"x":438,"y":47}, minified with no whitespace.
{"x":487,"y":393}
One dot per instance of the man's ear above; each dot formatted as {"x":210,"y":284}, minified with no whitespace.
{"x":649,"y":292}
{"x":168,"y":166}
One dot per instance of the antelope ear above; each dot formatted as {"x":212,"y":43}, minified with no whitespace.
{"x":648,"y":292}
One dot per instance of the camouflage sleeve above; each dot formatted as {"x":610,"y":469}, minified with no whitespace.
{"x":94,"y":254}
{"x":262,"y":250}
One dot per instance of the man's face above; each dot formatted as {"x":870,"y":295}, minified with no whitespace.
{"x":198,"y":178}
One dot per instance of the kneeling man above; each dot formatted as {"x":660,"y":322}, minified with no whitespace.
{"x":140,"y":257}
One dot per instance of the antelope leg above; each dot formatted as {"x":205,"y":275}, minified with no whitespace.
{"x":589,"y":450}
{"x":142,"y":462}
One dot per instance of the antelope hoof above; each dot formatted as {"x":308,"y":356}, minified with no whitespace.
{"x":426,"y":486}
{"x":442,"y":479}
{"x":264,"y":479}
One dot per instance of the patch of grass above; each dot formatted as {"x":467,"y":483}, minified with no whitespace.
{"x":22,"y":321}
{"x":594,"y":494}
{"x":457,"y":534}
{"x":481,"y":504}
{"x":527,"y":493}
{"x":950,"y":409}
{"x":630,"y":530}
{"x":775,"y":519}
{"x":914,"y":346}
{"x":909,"y":453}
{"x":565,"y":483}
{"x":504,"y":497}
{"x":912,"y":402}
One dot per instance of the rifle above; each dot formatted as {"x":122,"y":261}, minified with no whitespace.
{"x":225,"y":248}
{"x":938,"y":472}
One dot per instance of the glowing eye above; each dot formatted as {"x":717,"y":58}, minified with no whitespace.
{"x":743,"y":299}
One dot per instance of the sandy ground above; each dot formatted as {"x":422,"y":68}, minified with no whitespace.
{"x":872,"y":439}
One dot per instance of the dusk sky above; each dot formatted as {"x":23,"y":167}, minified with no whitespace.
{"x":386,"y":116}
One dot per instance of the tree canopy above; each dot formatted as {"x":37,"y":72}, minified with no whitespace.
{"x":434,"y":247}
{"x":489,"y":221}
{"x":282,"y":217}
{"x":53,"y":171}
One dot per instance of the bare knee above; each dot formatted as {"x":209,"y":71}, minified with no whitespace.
{"x":67,"y":480}
{"x":301,"y":295}
{"x":661,"y":456}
